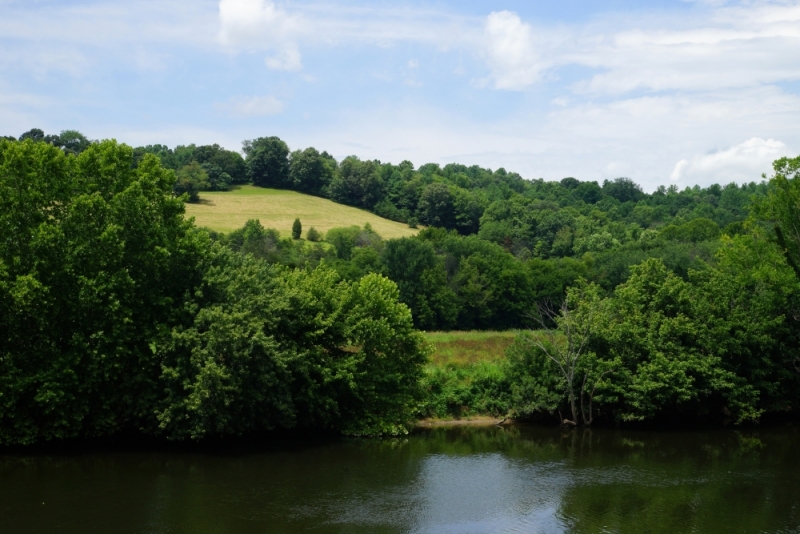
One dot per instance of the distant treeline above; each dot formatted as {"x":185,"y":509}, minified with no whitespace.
{"x":496,"y":244}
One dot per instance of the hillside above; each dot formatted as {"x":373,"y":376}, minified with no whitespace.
{"x":224,"y":211}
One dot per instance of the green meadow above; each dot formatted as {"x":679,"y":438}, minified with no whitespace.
{"x":224,"y":211}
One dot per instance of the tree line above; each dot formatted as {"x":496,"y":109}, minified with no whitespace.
{"x":718,"y":343}
{"x":496,"y":243}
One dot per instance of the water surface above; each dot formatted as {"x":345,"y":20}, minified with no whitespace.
{"x":445,"y":480}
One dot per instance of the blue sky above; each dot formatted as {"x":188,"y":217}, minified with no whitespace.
{"x":663,"y":92}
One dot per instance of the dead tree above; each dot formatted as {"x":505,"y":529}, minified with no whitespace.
{"x":567,"y":344}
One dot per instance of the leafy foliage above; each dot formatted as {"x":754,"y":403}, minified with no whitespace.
{"x":118,"y":315}
{"x":267,"y":162}
{"x":100,"y":257}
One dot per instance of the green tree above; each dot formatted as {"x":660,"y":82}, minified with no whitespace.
{"x":623,"y":189}
{"x":420,"y":276}
{"x":190,"y":180}
{"x":34,"y":134}
{"x":73,"y":142}
{"x":310,"y":171}
{"x":313,"y":235}
{"x":100,"y":263}
{"x":218,"y":180}
{"x":436,"y":206}
{"x":345,"y":240}
{"x":357,"y":183}
{"x":567,"y":347}
{"x":227,"y":161}
{"x":272,"y":348}
{"x":297,"y":229}
{"x":781,"y":208}
{"x":267,"y":161}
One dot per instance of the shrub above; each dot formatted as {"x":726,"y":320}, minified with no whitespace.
{"x":313,"y":235}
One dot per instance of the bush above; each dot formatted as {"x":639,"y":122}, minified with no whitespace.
{"x":313,"y":235}
{"x":297,"y":229}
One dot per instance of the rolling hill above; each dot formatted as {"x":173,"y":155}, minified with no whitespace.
{"x":224,"y":211}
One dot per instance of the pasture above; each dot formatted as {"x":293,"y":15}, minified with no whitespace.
{"x":224,"y":211}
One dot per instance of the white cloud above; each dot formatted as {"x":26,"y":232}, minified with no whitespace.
{"x":678,"y":170}
{"x":288,"y":58}
{"x":250,"y":22}
{"x":510,"y":52}
{"x":254,"y":106}
{"x":263,"y":25}
{"x":740,"y":163}
{"x":260,"y":24}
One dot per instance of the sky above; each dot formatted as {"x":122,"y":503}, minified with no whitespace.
{"x":663,"y":92}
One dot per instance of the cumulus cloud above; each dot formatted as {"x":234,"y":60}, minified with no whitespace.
{"x":254,"y":22}
{"x":739,"y":163}
{"x":253,"y":106}
{"x":260,"y":24}
{"x":510,"y":51}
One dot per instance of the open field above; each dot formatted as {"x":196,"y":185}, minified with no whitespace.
{"x":224,"y":211}
{"x":465,"y":348}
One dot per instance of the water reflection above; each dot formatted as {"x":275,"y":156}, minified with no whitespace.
{"x":455,"y":480}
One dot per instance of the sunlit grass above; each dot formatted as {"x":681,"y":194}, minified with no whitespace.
{"x":466,"y":348}
{"x":224,"y":211}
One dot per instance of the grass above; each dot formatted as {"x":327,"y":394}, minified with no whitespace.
{"x":224,"y":211}
{"x":465,"y":376}
{"x":468,"y":348}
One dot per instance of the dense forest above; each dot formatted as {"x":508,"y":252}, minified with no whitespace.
{"x":120,"y":315}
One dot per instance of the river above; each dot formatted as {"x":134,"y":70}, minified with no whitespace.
{"x":441,"y":480}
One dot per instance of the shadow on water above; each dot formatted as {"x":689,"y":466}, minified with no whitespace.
{"x":517,"y":479}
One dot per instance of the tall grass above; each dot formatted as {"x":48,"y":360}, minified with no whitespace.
{"x":463,"y":348}
{"x":466,"y":374}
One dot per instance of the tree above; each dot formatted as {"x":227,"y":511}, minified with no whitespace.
{"x":357,"y":183}
{"x":345,"y":240}
{"x":267,"y":161}
{"x":218,"y":180}
{"x":420,"y":276}
{"x":696,"y":230}
{"x":73,"y":142}
{"x":623,"y":189}
{"x":309,"y":171}
{"x":313,"y":235}
{"x":227,"y":161}
{"x":568,"y":346}
{"x":34,"y":134}
{"x":190,"y":180}
{"x":97,"y":271}
{"x":436,"y":206}
{"x":781,"y":208}
{"x":297,"y":229}
{"x":276,"y":348}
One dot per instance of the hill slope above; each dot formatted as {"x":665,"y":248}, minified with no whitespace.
{"x":224,"y":211}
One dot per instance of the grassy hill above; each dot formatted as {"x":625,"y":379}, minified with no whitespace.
{"x":277,"y":208}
